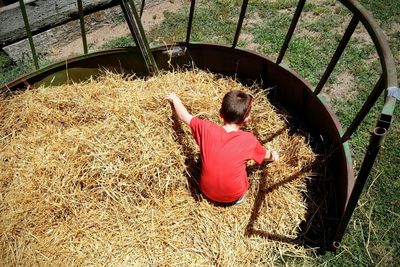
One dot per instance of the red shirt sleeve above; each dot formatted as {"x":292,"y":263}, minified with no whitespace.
{"x":259,"y":153}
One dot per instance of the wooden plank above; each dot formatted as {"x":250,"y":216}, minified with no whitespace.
{"x":43,"y":15}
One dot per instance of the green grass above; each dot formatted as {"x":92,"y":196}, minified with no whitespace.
{"x":385,"y":11}
{"x":123,"y":41}
{"x":213,"y":21}
{"x":10,"y":70}
{"x":372,"y":237}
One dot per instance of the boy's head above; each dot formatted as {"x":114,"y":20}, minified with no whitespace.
{"x":236,"y":107}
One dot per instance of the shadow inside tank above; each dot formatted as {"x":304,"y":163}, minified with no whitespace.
{"x":192,"y":162}
{"x":317,"y":227}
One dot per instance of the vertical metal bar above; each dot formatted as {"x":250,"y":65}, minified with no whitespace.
{"x":138,"y":34}
{"x":292,"y":27}
{"x":127,"y":19}
{"x":240,"y":22}
{"x":372,"y":98}
{"x":141,"y":32}
{"x":82,"y":22}
{"x":142,"y":7}
{"x":29,"y":33}
{"x":366,"y":166}
{"x":189,"y":27}
{"x":338,"y":53}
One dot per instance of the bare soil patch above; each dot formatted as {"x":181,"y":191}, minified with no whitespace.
{"x":342,"y":89}
{"x":248,"y":38}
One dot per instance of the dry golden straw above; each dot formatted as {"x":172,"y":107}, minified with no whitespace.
{"x":101,"y":173}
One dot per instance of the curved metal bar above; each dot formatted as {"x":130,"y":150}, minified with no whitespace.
{"x":240,"y":22}
{"x":142,"y":7}
{"x":372,"y":98}
{"x":388,"y":79}
{"x":292,"y":27}
{"x":382,"y":48}
{"x":190,"y":22}
{"x":82,"y":23}
{"x":338,"y":53}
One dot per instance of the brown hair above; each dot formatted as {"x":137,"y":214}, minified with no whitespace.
{"x":235,"y":106}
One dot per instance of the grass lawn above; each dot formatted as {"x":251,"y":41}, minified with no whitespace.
{"x":372,"y":237}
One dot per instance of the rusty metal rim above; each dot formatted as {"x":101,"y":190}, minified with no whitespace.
{"x":63,"y":64}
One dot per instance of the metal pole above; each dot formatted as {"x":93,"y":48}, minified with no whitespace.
{"x":127,"y":19}
{"x":339,"y":50}
{"x":292,"y":27}
{"x":142,"y":7}
{"x":82,"y":22}
{"x":372,"y":98}
{"x":189,"y":27}
{"x":369,"y":159}
{"x":138,"y":34}
{"x":29,"y":33}
{"x":240,"y":22}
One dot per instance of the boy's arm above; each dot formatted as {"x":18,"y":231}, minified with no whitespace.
{"x":180,"y":109}
{"x":271,"y":156}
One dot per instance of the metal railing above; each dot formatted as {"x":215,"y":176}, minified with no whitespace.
{"x":388,"y":79}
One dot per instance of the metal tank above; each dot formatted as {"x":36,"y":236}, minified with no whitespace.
{"x":289,"y":89}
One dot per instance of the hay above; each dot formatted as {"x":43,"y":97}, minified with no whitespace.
{"x":100,"y":173}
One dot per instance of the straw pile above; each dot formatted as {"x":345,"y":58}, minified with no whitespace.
{"x":100,"y":173}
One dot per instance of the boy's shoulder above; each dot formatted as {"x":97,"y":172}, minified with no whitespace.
{"x":248,"y":134}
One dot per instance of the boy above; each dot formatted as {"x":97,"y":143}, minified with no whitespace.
{"x":225,"y":150}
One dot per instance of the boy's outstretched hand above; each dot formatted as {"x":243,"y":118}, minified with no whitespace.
{"x":271,"y":156}
{"x":274,"y":156}
{"x":180,"y":109}
{"x":171,"y":97}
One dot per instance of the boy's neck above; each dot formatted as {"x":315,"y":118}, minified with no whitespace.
{"x":231,"y":127}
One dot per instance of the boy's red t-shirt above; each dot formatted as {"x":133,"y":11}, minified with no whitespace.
{"x":223,"y":157}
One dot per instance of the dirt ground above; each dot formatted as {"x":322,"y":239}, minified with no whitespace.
{"x":152,"y":16}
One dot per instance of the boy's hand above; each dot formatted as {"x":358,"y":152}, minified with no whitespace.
{"x":180,"y":109}
{"x":271,"y":156}
{"x":274,"y":156}
{"x":171,"y":97}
